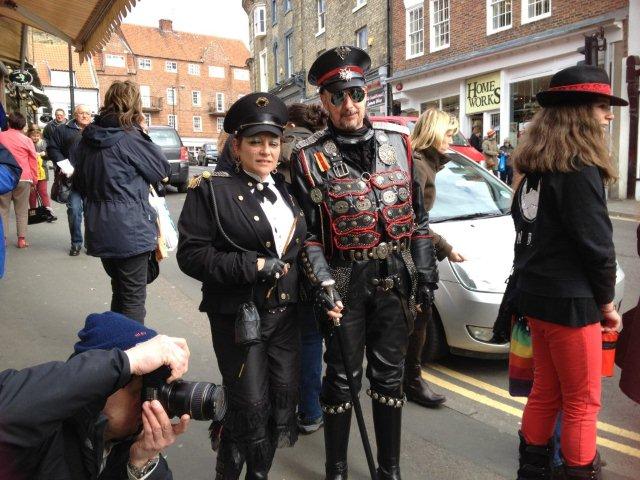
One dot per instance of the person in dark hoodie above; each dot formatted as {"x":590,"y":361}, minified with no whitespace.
{"x":115,"y":162}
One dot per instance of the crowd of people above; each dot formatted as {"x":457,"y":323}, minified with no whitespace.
{"x":337,"y":251}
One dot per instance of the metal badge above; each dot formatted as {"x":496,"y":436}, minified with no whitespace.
{"x":340,"y":207}
{"x":389,"y":197}
{"x":345,"y":74}
{"x":378,"y":180}
{"x":387,"y":154}
{"x":330,"y":147}
{"x":363,"y":203}
{"x":340,"y":169}
{"x":316,"y":195}
{"x":403,"y":194}
{"x":342,"y":52}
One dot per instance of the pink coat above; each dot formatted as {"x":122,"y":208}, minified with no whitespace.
{"x":23,"y":150}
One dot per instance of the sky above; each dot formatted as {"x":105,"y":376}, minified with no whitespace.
{"x":221,"y":18}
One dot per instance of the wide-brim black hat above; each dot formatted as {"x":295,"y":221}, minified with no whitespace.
{"x":339,"y":68}
{"x":259,"y":112}
{"x":579,"y":85}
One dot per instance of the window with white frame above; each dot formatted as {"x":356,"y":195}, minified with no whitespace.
{"x":362,"y":38}
{"x":171,"y":66}
{"x":241,"y":74}
{"x":220,"y":124}
{"x":322,"y":10}
{"x":60,"y":78}
{"x":196,"y":98}
{"x":533,"y":10}
{"x":440,"y":24}
{"x":172,"y":121}
{"x":415,"y":32}
{"x":216,"y":72}
{"x":264,"y":71}
{"x":144,"y":63}
{"x":111,"y":60}
{"x":259,"y":23}
{"x":147,"y":119}
{"x":171,"y":96}
{"x":197,"y":124}
{"x":219,"y":102}
{"x":193,"y":69}
{"x":288,"y":52}
{"x":499,"y":15}
{"x":145,"y":95}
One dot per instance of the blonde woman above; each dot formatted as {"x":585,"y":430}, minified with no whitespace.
{"x":430,"y":141}
{"x":566,"y":267}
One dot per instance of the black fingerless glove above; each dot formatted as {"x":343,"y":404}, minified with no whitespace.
{"x":325,"y":298}
{"x":272,"y":270}
{"x":425,"y":296}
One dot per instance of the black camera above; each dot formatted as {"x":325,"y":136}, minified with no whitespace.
{"x":199,"y":400}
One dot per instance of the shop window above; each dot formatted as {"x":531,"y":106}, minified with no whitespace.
{"x":524,"y":105}
{"x":415,"y":32}
{"x":322,"y":9}
{"x":499,"y":15}
{"x":144,"y":63}
{"x":439,"y":24}
{"x":533,"y":10}
{"x":451,"y":105}
{"x":427,"y":105}
{"x":362,"y":38}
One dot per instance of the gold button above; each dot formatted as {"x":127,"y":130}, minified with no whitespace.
{"x":268,"y":244}
{"x":297,"y":240}
{"x":250,"y":184}
{"x":256,"y":218}
{"x":240,"y":197}
{"x":283,"y":296}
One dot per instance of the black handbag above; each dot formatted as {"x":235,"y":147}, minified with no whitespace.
{"x":38,"y":214}
{"x":508,"y":308}
{"x":61,"y":187}
{"x":153,"y":267}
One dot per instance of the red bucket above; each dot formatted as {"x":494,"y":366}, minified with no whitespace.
{"x":609,"y":340}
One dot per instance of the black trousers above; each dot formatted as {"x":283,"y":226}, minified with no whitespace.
{"x":262,"y":380}
{"x":128,"y":284}
{"x":377,"y":322}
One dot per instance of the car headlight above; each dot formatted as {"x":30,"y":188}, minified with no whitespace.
{"x":478,"y":277}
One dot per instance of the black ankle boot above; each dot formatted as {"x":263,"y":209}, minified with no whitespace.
{"x":593,"y":471}
{"x":418,"y":391}
{"x":387,"y":421}
{"x":259,"y":457}
{"x":229,"y":462}
{"x":336,"y":440}
{"x":535,"y":460}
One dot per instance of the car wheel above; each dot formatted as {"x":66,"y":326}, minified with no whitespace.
{"x":435,"y":346}
{"x":182,"y":188}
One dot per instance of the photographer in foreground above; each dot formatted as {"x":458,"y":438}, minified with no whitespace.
{"x":84,"y":418}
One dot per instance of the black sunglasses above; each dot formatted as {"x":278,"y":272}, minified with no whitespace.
{"x":357,"y":94}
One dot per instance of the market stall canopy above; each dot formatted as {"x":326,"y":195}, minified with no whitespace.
{"x":86,"y":24}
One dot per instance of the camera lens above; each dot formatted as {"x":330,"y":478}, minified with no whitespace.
{"x":200,"y":400}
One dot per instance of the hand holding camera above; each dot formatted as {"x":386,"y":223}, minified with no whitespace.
{"x":160,"y":350}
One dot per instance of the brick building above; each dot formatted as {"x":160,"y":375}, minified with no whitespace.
{"x":186,"y":80}
{"x":286,"y":36}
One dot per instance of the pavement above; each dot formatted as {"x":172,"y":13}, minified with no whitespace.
{"x":624,"y":209}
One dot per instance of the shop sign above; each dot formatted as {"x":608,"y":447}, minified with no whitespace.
{"x":375,"y":98}
{"x":20,"y":78}
{"x":483,"y":93}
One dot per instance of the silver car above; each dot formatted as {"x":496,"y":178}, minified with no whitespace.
{"x":472,"y":211}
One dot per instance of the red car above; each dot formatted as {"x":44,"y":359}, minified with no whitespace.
{"x":460,"y":143}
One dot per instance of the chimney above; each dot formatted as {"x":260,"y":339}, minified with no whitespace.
{"x":166,"y":25}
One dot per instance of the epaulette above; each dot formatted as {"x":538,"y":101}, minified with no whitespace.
{"x":390,"y":126}
{"x":311,"y":139}
{"x":195,"y":181}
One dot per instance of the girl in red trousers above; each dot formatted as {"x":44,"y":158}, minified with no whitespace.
{"x":565,"y":267}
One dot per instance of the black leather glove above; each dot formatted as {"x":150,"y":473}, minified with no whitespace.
{"x":325,"y":298}
{"x":272,"y":270}
{"x":425,"y":296}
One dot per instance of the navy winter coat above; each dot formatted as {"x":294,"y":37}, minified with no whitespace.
{"x":113,"y":169}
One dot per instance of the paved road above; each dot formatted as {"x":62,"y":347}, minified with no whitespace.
{"x":46,"y":295}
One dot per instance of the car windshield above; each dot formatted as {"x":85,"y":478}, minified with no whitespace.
{"x":465,"y":190}
{"x":165,"y":137}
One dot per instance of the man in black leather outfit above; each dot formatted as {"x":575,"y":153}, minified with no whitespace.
{"x":368,"y":256}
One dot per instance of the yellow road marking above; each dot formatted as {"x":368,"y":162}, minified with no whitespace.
{"x":516,"y":412}
{"x":625,"y":219}
{"x":605,"y":427}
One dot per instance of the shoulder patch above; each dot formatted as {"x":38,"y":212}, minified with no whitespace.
{"x":206,"y":175}
{"x":389,"y":126}
{"x":311,"y":139}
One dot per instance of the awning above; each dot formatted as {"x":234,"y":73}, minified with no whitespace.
{"x":86,"y":24}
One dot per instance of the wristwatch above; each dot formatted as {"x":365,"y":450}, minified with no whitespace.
{"x":140,"y":472}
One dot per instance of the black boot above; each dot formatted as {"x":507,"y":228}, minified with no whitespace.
{"x":229,"y":462}
{"x":259,"y":457}
{"x":337,"y":423}
{"x":535,"y":460}
{"x":593,"y":471}
{"x":387,"y":421}
{"x":417,"y":390}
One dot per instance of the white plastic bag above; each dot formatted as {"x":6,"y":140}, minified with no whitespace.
{"x":168,"y":231}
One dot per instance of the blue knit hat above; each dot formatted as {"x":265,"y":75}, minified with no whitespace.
{"x":104,"y":331}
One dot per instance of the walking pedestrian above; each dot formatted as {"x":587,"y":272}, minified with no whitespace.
{"x":565,"y":267}
{"x":24,"y":153}
{"x":60,"y":145}
{"x":507,"y":150}
{"x":490,"y":151}
{"x":115,"y":164}
{"x":369,"y":246}
{"x":240,"y":235}
{"x":430,"y":140}
{"x":10,"y":173}
{"x":41,"y":189}
{"x":476,"y":139}
{"x":58,"y":119}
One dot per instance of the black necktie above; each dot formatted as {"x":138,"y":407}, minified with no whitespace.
{"x":263,"y":191}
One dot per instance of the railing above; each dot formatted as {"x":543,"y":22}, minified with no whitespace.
{"x":152,"y":104}
{"x":213,"y":109}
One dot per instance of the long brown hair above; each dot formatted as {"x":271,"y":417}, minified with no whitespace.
{"x":123,"y":100}
{"x":562,"y":139}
